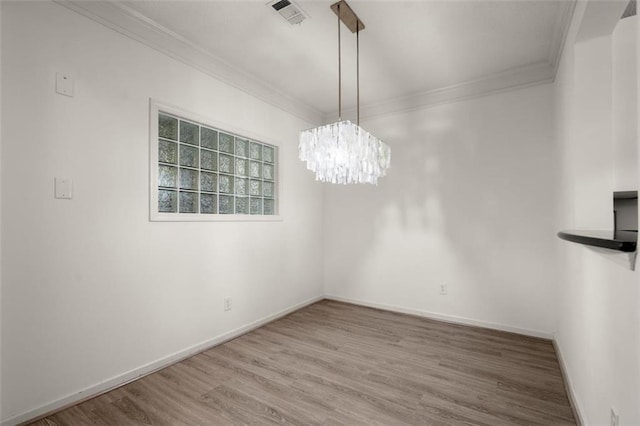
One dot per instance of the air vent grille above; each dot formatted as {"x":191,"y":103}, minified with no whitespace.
{"x":289,"y":10}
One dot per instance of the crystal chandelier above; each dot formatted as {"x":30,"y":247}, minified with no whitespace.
{"x":343,"y":152}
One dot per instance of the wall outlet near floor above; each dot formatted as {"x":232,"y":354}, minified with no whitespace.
{"x":443,"y":288}
{"x":227,"y":303}
{"x":615,"y":420}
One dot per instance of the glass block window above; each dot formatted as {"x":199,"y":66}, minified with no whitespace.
{"x":205,"y":171}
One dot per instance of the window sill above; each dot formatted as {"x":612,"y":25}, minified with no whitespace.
{"x":184,"y":217}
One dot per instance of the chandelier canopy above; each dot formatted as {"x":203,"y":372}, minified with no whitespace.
{"x":343,"y":152}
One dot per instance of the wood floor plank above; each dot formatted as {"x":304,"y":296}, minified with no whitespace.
{"x":333,"y":363}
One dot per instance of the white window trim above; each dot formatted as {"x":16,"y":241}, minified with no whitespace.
{"x":155,"y":107}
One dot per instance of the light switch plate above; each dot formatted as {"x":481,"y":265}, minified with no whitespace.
{"x":64,"y":84}
{"x":64,"y":188}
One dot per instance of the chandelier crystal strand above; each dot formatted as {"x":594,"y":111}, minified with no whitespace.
{"x":345,"y":153}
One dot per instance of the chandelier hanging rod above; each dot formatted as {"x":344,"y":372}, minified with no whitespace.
{"x":339,"y":67}
{"x":347,"y":16}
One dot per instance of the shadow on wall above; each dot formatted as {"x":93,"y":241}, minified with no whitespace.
{"x":467,"y":201}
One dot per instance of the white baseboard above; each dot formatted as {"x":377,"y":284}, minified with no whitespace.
{"x":442,"y":317}
{"x":577,"y":412}
{"x":122,"y":379}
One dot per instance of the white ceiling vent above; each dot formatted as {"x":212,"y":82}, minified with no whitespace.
{"x":289,"y":11}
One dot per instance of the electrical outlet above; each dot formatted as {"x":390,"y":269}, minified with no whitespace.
{"x":615,"y":420}
{"x":227,"y":303}
{"x":443,"y":288}
{"x":63,"y":188}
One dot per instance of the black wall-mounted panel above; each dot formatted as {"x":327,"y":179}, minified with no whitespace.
{"x":625,"y":241}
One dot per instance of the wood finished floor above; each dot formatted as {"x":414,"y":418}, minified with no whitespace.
{"x":333,"y":363}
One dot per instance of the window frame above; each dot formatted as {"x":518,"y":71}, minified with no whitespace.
{"x":155,"y":107}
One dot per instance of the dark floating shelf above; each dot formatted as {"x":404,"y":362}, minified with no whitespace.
{"x":624,"y":241}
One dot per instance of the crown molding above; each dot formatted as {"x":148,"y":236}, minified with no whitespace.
{"x":560,"y":33}
{"x":133,"y":24}
{"x":514,"y":78}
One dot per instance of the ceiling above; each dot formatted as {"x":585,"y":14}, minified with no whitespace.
{"x":412,"y":53}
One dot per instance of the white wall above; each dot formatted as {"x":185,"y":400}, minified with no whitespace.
{"x":625,"y":105}
{"x":468,"y":201}
{"x":0,"y":214}
{"x":90,"y":288}
{"x":599,"y":310}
